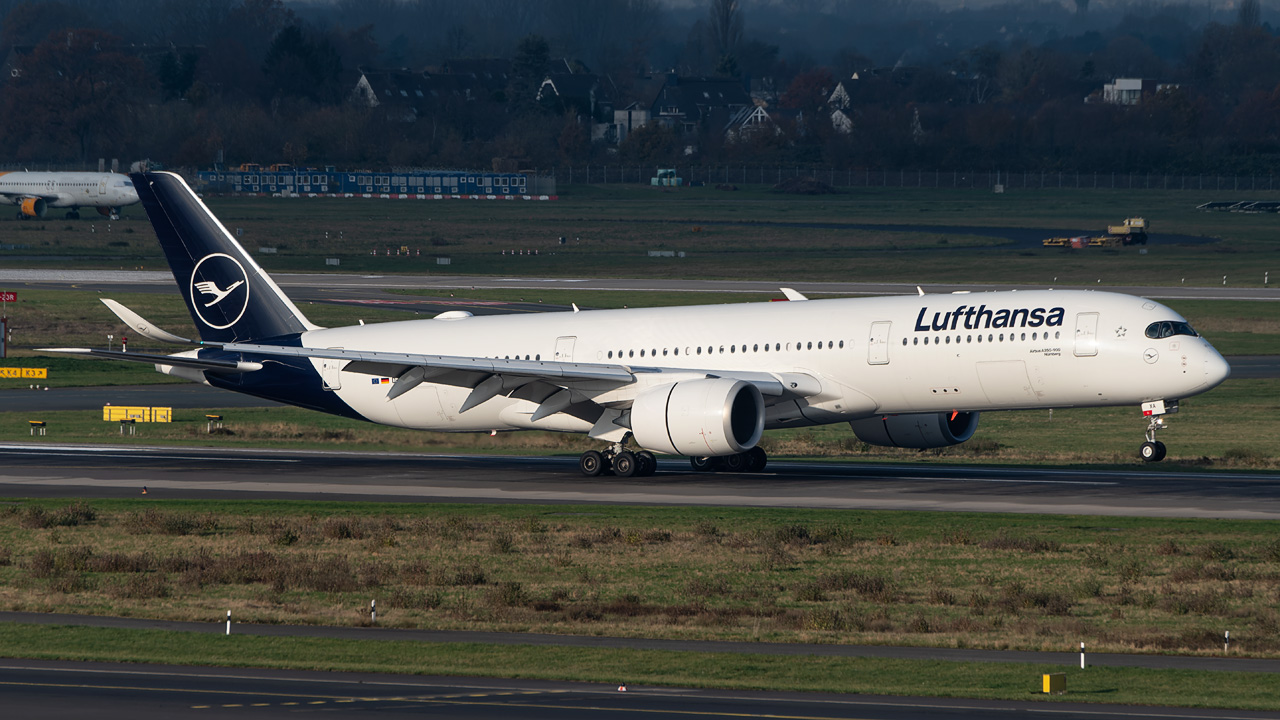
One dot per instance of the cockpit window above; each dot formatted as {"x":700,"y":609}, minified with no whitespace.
{"x":1169,"y":328}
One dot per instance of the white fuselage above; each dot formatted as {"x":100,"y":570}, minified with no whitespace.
{"x":69,"y":189}
{"x":872,"y":356}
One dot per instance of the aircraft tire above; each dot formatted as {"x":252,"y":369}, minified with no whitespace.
{"x":735,"y":463}
{"x":648,"y":464}
{"x":1152,"y":451}
{"x":756,"y":459}
{"x":702,"y":463}
{"x":625,"y":464}
{"x":591,"y":463}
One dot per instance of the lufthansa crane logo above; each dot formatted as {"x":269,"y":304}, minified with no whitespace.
{"x":219,"y":290}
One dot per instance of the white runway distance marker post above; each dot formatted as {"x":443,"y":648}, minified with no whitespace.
{"x":1081,"y":656}
{"x":229,"y":625}
{"x":373,"y":612}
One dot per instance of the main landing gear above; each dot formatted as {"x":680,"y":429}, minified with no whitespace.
{"x":1153,"y":450}
{"x":617,"y":460}
{"x":750,"y":461}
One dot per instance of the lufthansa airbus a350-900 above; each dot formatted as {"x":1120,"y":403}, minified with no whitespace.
{"x":700,"y":381}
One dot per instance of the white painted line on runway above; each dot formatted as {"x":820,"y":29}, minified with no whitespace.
{"x":149,"y":456}
{"x":1019,"y":482}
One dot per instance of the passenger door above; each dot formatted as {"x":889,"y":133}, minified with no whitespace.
{"x":878,"y":344}
{"x":1086,"y":334}
{"x":564,"y":348}
{"x":331,"y":372}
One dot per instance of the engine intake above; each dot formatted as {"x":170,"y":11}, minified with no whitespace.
{"x":711,"y":417}
{"x":920,"y":430}
{"x":33,"y":207}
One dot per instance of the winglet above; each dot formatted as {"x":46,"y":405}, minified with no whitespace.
{"x":792,"y":295}
{"x":920,"y":290}
{"x":575,"y":307}
{"x":139,"y":324}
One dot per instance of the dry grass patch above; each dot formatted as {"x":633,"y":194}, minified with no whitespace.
{"x":976,"y":581}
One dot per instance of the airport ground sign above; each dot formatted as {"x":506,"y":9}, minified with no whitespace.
{"x":24,"y":373}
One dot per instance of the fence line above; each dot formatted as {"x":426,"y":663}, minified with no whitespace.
{"x":865,"y":178}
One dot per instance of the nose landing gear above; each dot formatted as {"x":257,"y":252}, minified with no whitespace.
{"x":1153,"y":450}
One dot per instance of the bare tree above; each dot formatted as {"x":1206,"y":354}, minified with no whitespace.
{"x":1250,"y":13}
{"x":725,"y":26}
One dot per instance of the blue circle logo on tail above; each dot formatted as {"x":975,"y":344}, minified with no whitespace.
{"x":219,"y":290}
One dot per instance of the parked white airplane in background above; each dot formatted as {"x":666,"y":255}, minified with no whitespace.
{"x":704,"y":381}
{"x":35,"y":192}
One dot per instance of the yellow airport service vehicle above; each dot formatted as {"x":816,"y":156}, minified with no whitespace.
{"x":1133,"y":231}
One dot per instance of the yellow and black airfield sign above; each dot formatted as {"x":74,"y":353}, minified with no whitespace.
{"x":114,"y":413}
{"x":24,"y":373}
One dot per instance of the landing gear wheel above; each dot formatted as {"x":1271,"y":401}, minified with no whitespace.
{"x":735,"y":463}
{"x":1153,"y":451}
{"x":73,"y":215}
{"x":703,"y":463}
{"x":591,"y":463}
{"x":756,"y":459}
{"x":648,"y":464}
{"x":625,"y":464}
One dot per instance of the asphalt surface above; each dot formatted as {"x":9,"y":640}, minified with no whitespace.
{"x":324,"y":286}
{"x":111,"y":691}
{"x":51,"y":470}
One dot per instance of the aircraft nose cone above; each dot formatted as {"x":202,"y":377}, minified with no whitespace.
{"x":1216,"y":369}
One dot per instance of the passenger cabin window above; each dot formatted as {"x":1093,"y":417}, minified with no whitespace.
{"x":1169,"y":328}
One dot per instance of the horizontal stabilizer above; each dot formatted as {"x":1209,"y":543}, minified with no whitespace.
{"x":223,"y":366}
{"x":139,"y":324}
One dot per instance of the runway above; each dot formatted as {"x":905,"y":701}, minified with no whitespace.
{"x":323,"y":286}
{"x":51,"y":470}
{"x":116,"y":691}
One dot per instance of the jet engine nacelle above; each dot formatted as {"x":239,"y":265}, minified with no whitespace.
{"x":33,"y":207}
{"x":710,"y":417}
{"x":920,"y":430}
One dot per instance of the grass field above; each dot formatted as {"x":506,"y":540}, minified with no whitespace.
{"x":924,"y":579}
{"x":753,"y":233}
{"x":786,"y":575}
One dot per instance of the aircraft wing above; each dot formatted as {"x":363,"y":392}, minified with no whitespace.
{"x":489,"y":376}
{"x":16,"y":197}
{"x":386,"y":363}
